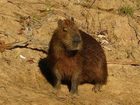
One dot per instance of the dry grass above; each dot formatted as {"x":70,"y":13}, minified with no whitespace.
{"x":126,"y":10}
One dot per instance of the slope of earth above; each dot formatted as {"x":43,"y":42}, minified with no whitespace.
{"x":117,"y":28}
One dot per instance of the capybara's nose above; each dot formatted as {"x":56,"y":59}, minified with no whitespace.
{"x":76,"y":39}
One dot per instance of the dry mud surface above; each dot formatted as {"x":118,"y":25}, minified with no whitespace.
{"x":21,"y":79}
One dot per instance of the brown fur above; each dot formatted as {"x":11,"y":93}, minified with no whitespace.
{"x":78,"y":60}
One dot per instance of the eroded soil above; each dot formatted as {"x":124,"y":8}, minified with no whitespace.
{"x":21,"y":79}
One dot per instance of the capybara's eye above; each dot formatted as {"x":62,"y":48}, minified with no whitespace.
{"x":65,"y":29}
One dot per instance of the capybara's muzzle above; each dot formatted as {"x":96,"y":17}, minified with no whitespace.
{"x":76,"y":39}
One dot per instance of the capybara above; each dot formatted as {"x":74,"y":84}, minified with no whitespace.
{"x":76,"y":57}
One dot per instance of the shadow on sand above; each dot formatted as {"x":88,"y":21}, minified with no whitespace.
{"x":47,"y":73}
{"x":43,"y":65}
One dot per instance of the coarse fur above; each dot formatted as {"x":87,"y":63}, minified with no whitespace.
{"x":76,"y":57}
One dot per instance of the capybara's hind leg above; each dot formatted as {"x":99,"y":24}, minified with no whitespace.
{"x":97,"y":88}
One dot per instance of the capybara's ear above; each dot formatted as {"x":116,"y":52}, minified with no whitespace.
{"x":72,"y":19}
{"x":60,"y":23}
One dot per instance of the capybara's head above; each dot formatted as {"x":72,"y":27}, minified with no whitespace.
{"x":69,"y":35}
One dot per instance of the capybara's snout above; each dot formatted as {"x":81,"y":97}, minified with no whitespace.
{"x":76,"y":39}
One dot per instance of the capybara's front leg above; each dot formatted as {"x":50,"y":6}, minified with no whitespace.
{"x":58,"y":80}
{"x":57,"y":86}
{"x":74,"y":87}
{"x":74,"y":83}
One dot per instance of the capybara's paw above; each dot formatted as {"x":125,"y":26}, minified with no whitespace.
{"x":57,"y":85}
{"x":59,"y":94}
{"x":97,"y":88}
{"x":73,"y":92}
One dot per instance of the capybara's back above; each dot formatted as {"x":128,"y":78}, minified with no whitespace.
{"x":76,"y":57}
{"x":94,"y":62}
